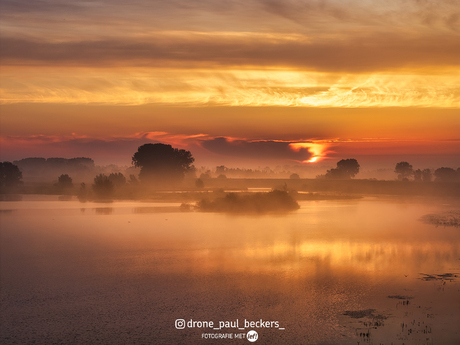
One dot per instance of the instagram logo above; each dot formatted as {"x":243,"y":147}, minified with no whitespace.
{"x":180,"y":323}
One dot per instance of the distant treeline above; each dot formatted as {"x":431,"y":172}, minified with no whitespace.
{"x":159,"y":167}
{"x":39,"y":169}
{"x":405,"y":172}
{"x":81,"y":169}
{"x":43,"y":163}
{"x":345,"y":187}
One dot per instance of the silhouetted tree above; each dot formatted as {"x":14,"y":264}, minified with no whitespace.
{"x":103,"y":187}
{"x":294,"y":176}
{"x":222,"y":176}
{"x":349,"y":166}
{"x":133,"y":179}
{"x":427,"y":176}
{"x":10,"y":175}
{"x":418,"y":175}
{"x":346,"y":169}
{"x":199,"y":183}
{"x":404,"y":170}
{"x":82,"y":193}
{"x":221,"y":169}
{"x":162,"y":162}
{"x":117,"y":179}
{"x":191,"y":173}
{"x":65,"y":181}
{"x":205,"y":176}
{"x":446,"y":175}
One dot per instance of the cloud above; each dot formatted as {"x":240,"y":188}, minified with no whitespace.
{"x":261,"y":149}
{"x":364,"y":53}
{"x":136,"y":86}
{"x":253,"y":15}
{"x":237,"y":53}
{"x":121,"y":149}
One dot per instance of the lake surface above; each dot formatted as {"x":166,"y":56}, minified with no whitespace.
{"x":333,"y":272}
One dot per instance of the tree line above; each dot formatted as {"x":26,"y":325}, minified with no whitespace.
{"x":162,"y":164}
{"x":405,"y":172}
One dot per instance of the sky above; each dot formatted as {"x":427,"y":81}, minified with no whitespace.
{"x":239,"y":83}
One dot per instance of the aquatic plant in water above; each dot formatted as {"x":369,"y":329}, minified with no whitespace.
{"x":450,"y":218}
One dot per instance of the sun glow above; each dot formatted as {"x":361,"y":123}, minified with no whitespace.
{"x":318,"y":150}
{"x":224,"y":87}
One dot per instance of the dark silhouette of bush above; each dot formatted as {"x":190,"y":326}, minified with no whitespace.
{"x":103,"y":187}
{"x":162,"y":163}
{"x":10,"y":176}
{"x":346,"y":169}
{"x":446,"y":175}
{"x":294,"y":176}
{"x":65,"y":181}
{"x":334,"y":174}
{"x":272,"y":202}
{"x":118,"y":179}
{"x":404,"y":170}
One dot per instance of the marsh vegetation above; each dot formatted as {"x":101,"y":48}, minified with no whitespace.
{"x":276,"y":201}
{"x":450,"y":218}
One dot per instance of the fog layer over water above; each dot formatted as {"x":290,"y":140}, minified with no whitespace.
{"x":334,"y":272}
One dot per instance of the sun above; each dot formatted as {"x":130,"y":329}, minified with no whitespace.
{"x":317,"y":150}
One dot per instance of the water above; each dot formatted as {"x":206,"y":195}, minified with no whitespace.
{"x":333,"y":272}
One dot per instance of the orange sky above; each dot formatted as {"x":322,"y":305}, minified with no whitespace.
{"x":363,"y":79}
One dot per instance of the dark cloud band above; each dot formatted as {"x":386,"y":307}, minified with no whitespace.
{"x":264,"y":150}
{"x":355,"y":55}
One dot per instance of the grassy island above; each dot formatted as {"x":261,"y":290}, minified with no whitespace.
{"x":259,"y":203}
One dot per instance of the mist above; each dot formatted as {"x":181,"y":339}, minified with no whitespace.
{"x":166,"y":239}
